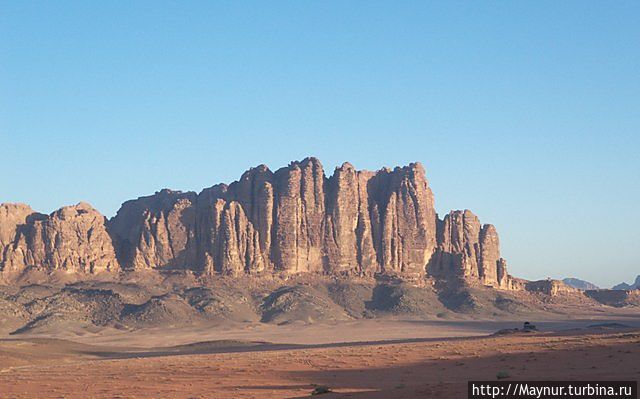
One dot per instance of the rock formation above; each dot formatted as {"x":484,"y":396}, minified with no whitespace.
{"x":13,"y":220}
{"x":72,"y":239}
{"x":293,"y":220}
{"x":156,"y":231}
{"x":550,"y":287}
{"x":469,"y":250}
{"x":616,"y":297}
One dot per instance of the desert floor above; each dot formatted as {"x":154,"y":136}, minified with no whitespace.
{"x":364,"y":359}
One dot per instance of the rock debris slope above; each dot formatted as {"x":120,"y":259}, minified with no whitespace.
{"x":291,"y":221}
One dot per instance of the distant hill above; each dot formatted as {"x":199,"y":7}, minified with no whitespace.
{"x":580,"y":284}
{"x":625,"y":286}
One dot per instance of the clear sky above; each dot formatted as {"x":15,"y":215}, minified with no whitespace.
{"x":527,"y":113}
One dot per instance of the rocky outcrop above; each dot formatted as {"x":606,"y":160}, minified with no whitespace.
{"x":348,"y":234}
{"x":550,"y":287}
{"x":299,"y":212}
{"x":157,"y":231}
{"x":468,"y":250}
{"x":13,"y":220}
{"x":72,"y":239}
{"x":615,"y":297}
{"x":404,"y":218}
{"x":293,"y":220}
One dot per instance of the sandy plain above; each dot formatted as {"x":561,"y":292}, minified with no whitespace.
{"x":360,"y":359}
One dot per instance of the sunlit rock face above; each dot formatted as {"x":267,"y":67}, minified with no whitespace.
{"x":469,"y":250}
{"x":293,"y":220}
{"x":72,"y":239}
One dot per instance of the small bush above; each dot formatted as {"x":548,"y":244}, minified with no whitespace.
{"x":320,"y":389}
{"x":502,"y":374}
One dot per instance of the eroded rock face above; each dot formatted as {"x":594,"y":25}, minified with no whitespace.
{"x":403,"y":218}
{"x":298,"y":220}
{"x":157,"y":231}
{"x":72,"y":239}
{"x":13,"y":220}
{"x":549,"y":287}
{"x":254,"y":193}
{"x":293,"y":220}
{"x":469,"y":250}
{"x":299,"y":217}
{"x":348,"y":235}
{"x":489,"y":255}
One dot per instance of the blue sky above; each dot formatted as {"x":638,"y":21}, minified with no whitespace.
{"x":528,"y":113}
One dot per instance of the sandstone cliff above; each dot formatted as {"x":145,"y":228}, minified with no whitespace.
{"x":469,"y":250}
{"x":293,"y":220}
{"x":155,"y":231}
{"x":72,"y":239}
{"x":13,"y":220}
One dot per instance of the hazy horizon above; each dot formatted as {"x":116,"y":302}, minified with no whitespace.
{"x":527,"y":114}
